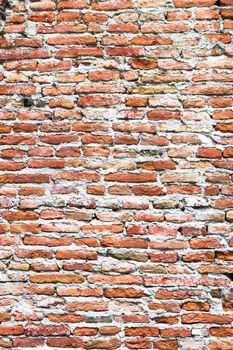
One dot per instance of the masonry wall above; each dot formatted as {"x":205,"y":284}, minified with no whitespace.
{"x":116,"y":196}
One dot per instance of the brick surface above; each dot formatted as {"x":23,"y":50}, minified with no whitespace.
{"x":116,"y":195}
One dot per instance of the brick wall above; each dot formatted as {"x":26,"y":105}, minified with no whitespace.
{"x":116,"y":193}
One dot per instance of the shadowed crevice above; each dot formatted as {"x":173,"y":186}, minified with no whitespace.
{"x":4,"y":4}
{"x":229,"y":275}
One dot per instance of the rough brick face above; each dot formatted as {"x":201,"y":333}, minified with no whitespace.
{"x":116,"y":195}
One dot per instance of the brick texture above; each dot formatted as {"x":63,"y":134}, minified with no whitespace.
{"x":116,"y":195}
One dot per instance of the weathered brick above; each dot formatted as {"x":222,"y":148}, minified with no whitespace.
{"x":192,"y":3}
{"x":116,"y":185}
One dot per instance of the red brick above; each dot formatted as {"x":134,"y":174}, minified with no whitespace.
{"x":45,"y":330}
{"x":98,"y":101}
{"x":11,"y":330}
{"x":191,"y":3}
{"x":206,"y":318}
{"x":28,"y":342}
{"x":209,"y":153}
{"x":23,"y":54}
{"x":141,"y":63}
{"x":56,"y":278}
{"x":149,"y":177}
{"x":76,"y":52}
{"x":166,"y":345}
